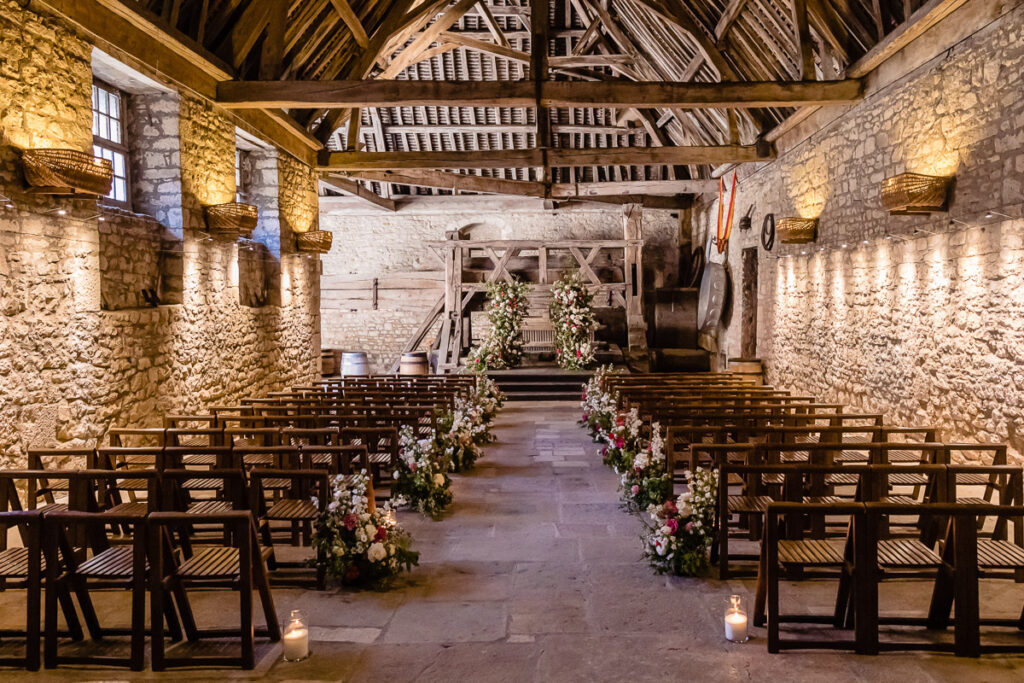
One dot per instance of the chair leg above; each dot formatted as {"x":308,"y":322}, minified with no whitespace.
{"x":32,"y":624}
{"x":760,"y":593}
{"x":842,"y":597}
{"x":266,"y":599}
{"x":245,"y":614}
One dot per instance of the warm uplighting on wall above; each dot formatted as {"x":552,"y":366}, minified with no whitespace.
{"x":797,"y":230}
{"x":915,"y":193}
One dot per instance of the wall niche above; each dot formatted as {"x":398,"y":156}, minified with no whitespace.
{"x":140,"y":262}
{"x":259,"y":276}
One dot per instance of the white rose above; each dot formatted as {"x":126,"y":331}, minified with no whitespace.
{"x":377,"y":552}
{"x":438,"y":479}
{"x":370,"y":530}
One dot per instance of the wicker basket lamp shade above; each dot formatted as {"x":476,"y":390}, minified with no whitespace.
{"x":914,"y":193}
{"x":796,"y":230}
{"x":67,"y":171}
{"x":314,"y":241}
{"x":232,"y":219}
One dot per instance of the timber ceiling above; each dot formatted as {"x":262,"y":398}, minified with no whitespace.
{"x":678,"y":41}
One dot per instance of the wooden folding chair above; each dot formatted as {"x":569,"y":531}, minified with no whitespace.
{"x":239,"y":565}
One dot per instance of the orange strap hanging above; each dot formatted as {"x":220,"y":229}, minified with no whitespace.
{"x":724,"y":233}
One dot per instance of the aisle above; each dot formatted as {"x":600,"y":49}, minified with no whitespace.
{"x":536,"y":574}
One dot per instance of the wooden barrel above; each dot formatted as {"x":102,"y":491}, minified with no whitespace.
{"x":330,"y":362}
{"x":354,"y":363}
{"x":748,"y":368}
{"x":414,"y":364}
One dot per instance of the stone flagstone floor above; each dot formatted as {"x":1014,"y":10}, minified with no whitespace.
{"x":536,"y":574}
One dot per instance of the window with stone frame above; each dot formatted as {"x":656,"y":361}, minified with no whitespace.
{"x":109,"y":140}
{"x":243,"y":176}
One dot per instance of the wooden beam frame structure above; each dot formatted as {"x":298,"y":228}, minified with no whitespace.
{"x":611,"y":94}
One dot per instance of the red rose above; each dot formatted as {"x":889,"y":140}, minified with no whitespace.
{"x":350,"y":521}
{"x":352,"y":573}
{"x":382,"y":533}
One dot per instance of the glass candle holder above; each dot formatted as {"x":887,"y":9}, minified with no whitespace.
{"x":735,"y":621}
{"x":296,"y":638}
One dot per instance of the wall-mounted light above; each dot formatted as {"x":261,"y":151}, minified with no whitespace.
{"x":915,"y":193}
{"x":231,"y":220}
{"x":314,"y":241}
{"x":796,"y":230}
{"x":67,"y":172}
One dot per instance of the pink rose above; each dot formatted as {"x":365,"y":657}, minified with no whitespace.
{"x":670,"y":508}
{"x":635,"y":490}
{"x":350,"y":521}
{"x":689,"y":527}
{"x":672,"y":524}
{"x":619,"y":442}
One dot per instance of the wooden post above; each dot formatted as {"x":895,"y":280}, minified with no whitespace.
{"x":633,"y":230}
{"x":452,"y":298}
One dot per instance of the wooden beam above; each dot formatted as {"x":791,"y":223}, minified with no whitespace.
{"x":805,"y":53}
{"x":351,"y":187}
{"x":246,"y":31}
{"x":484,"y":10}
{"x":427,"y":37}
{"x":352,"y":21}
{"x":485,"y":47}
{"x":586,"y":61}
{"x":454,"y":181}
{"x":539,"y":26}
{"x":636,"y":187}
{"x":611,"y":94}
{"x":928,"y":15}
{"x":525,"y":158}
{"x":732,"y":12}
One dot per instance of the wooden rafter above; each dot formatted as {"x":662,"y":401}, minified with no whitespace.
{"x":354,"y":189}
{"x":613,"y":94}
{"x":352,"y":21}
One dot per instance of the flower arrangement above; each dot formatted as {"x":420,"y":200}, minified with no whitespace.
{"x":624,"y":441}
{"x":421,"y":476}
{"x":460,"y":433}
{"x":488,"y":397}
{"x":361,"y":546}
{"x":506,"y":309}
{"x":572,"y":316}
{"x":648,"y":482}
{"x":680,"y":531}
{"x":599,"y":406}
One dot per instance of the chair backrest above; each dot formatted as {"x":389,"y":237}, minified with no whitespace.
{"x":175,"y":497}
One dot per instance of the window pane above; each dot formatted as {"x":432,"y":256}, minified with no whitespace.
{"x":120,"y":190}
{"x":115,"y":131}
{"x":104,"y":127}
{"x":119,"y":165}
{"x":115,"y":105}
{"x":102,"y":101}
{"x":95,"y":123}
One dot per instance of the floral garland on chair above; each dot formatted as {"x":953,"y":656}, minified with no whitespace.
{"x":572,"y":316}
{"x":599,"y":406}
{"x":360,"y":546}
{"x":503,"y":345}
{"x":647,"y":480}
{"x":680,"y":532}
{"x":421,"y":474}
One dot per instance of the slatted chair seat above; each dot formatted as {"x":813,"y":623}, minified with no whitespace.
{"x":277,"y":484}
{"x":380,"y":458}
{"x":816,"y":552}
{"x":203,"y":484}
{"x":841,"y":479}
{"x":53,"y":507}
{"x":907,"y":479}
{"x":906,"y":553}
{"x":993,"y":554}
{"x":112,"y":563}
{"x":897,"y":456}
{"x":973,"y":479}
{"x":211,"y":563}
{"x":14,"y":563}
{"x":796,"y":456}
{"x":851,"y":457}
{"x":749,"y":503}
{"x":825,"y":500}
{"x":133,"y":508}
{"x":735,"y":479}
{"x":133,"y":485}
{"x":899,"y":500}
{"x":209,"y":507}
{"x":55,"y":485}
{"x":200,"y":459}
{"x":293,"y":510}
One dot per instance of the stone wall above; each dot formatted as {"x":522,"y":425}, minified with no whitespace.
{"x":70,"y":368}
{"x":390,"y":247}
{"x":917,"y":317}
